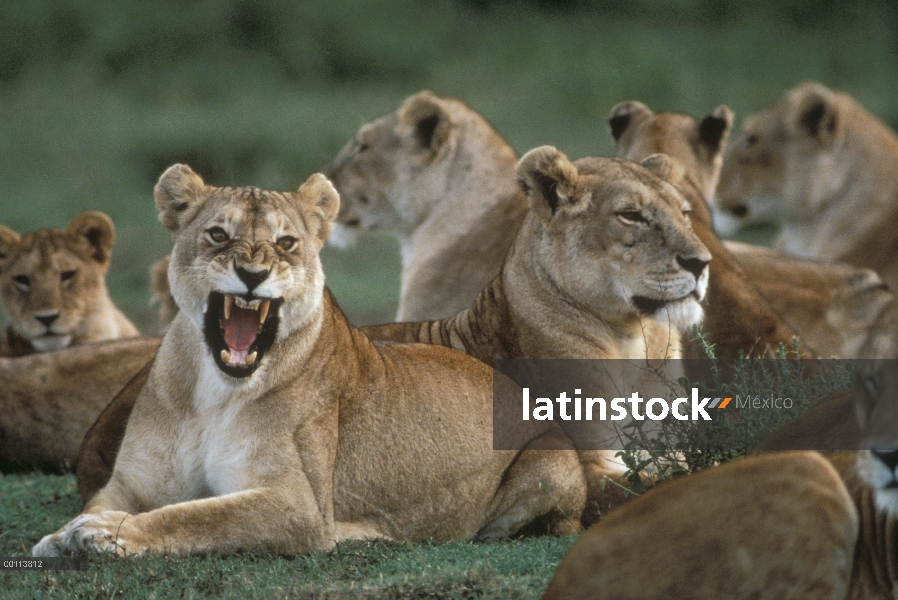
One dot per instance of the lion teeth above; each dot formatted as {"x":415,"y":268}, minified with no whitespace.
{"x":225,"y":356}
{"x":228,"y":301}
{"x":263,"y":311}
{"x":251,"y":358}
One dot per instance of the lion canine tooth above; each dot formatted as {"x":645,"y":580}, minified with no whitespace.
{"x":263,"y":311}
{"x":225,"y":356}
{"x":228,"y":301}
{"x":251,"y":358}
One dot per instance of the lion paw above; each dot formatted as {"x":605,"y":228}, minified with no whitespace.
{"x":108,"y":531}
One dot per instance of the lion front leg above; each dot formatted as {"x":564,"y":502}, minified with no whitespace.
{"x":266,"y":519}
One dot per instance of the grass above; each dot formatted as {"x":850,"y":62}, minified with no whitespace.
{"x":34,"y":505}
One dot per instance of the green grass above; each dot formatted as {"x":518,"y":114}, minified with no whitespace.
{"x":32,"y":506}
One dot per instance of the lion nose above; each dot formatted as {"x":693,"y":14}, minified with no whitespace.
{"x":888,"y":457}
{"x":47,"y":320}
{"x":693,"y":265}
{"x":252,"y":279}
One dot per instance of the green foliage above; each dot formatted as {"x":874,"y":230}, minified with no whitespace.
{"x":659,"y":450}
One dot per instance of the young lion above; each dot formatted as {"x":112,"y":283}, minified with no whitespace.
{"x":752,"y":289}
{"x":824,"y":168}
{"x":436,"y":175}
{"x":267,"y":422}
{"x":781,"y":525}
{"x":53,"y":288}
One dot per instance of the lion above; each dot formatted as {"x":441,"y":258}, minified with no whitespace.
{"x":436,"y":175}
{"x":751,"y":287}
{"x":53,"y":287}
{"x":738,"y":320}
{"x":779,"y":525}
{"x":268,"y":422}
{"x":49,"y":400}
{"x":865,"y":312}
{"x":826,"y":170}
{"x":646,"y":276}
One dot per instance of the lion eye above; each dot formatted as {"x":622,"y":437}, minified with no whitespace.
{"x":631,"y":217}
{"x":286,"y":243}
{"x":751,"y":141}
{"x":217,"y":235}
{"x":22,"y":282}
{"x":66,"y":276}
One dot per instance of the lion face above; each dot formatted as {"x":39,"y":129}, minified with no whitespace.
{"x":244,"y":269}
{"x":614,"y":238}
{"x":51,"y":279}
{"x":398,"y":168}
{"x":781,"y":166}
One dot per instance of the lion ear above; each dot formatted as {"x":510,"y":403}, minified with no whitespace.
{"x":178,"y":196}
{"x":665,"y":167}
{"x":816,"y":114}
{"x":321,"y":202}
{"x":550,"y":181}
{"x":424,"y":120}
{"x":97,"y":229}
{"x":625,"y":114}
{"x":9,"y":239}
{"x":715,"y":128}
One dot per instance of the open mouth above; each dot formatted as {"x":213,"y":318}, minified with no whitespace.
{"x":240,"y":330}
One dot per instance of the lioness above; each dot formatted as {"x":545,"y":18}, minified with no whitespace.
{"x":866,"y":315}
{"x":824,"y":168}
{"x":267,"y":422}
{"x":49,"y":400}
{"x":605,"y":266}
{"x":737,"y":318}
{"x":438,"y":177}
{"x":53,"y":287}
{"x":781,"y":525}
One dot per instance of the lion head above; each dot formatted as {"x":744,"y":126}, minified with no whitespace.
{"x":644,"y":259}
{"x":638,"y":132}
{"x":785,"y":164}
{"x":244,"y":269}
{"x":398,"y":168}
{"x":52,"y":282}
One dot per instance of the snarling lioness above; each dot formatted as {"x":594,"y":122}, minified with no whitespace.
{"x":267,"y":422}
{"x":53,"y":287}
{"x":788,"y":525}
{"x":826,"y":170}
{"x":436,"y":175}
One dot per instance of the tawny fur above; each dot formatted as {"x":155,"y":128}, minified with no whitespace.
{"x":328,"y":435}
{"x":436,"y":175}
{"x":53,"y":287}
{"x":50,"y":399}
{"x":758,"y":298}
{"x":826,"y":170}
{"x":779,"y":525}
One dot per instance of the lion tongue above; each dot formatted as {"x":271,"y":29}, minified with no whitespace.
{"x":240,"y":328}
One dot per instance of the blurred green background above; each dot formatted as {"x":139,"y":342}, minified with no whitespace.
{"x":98,"y":97}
